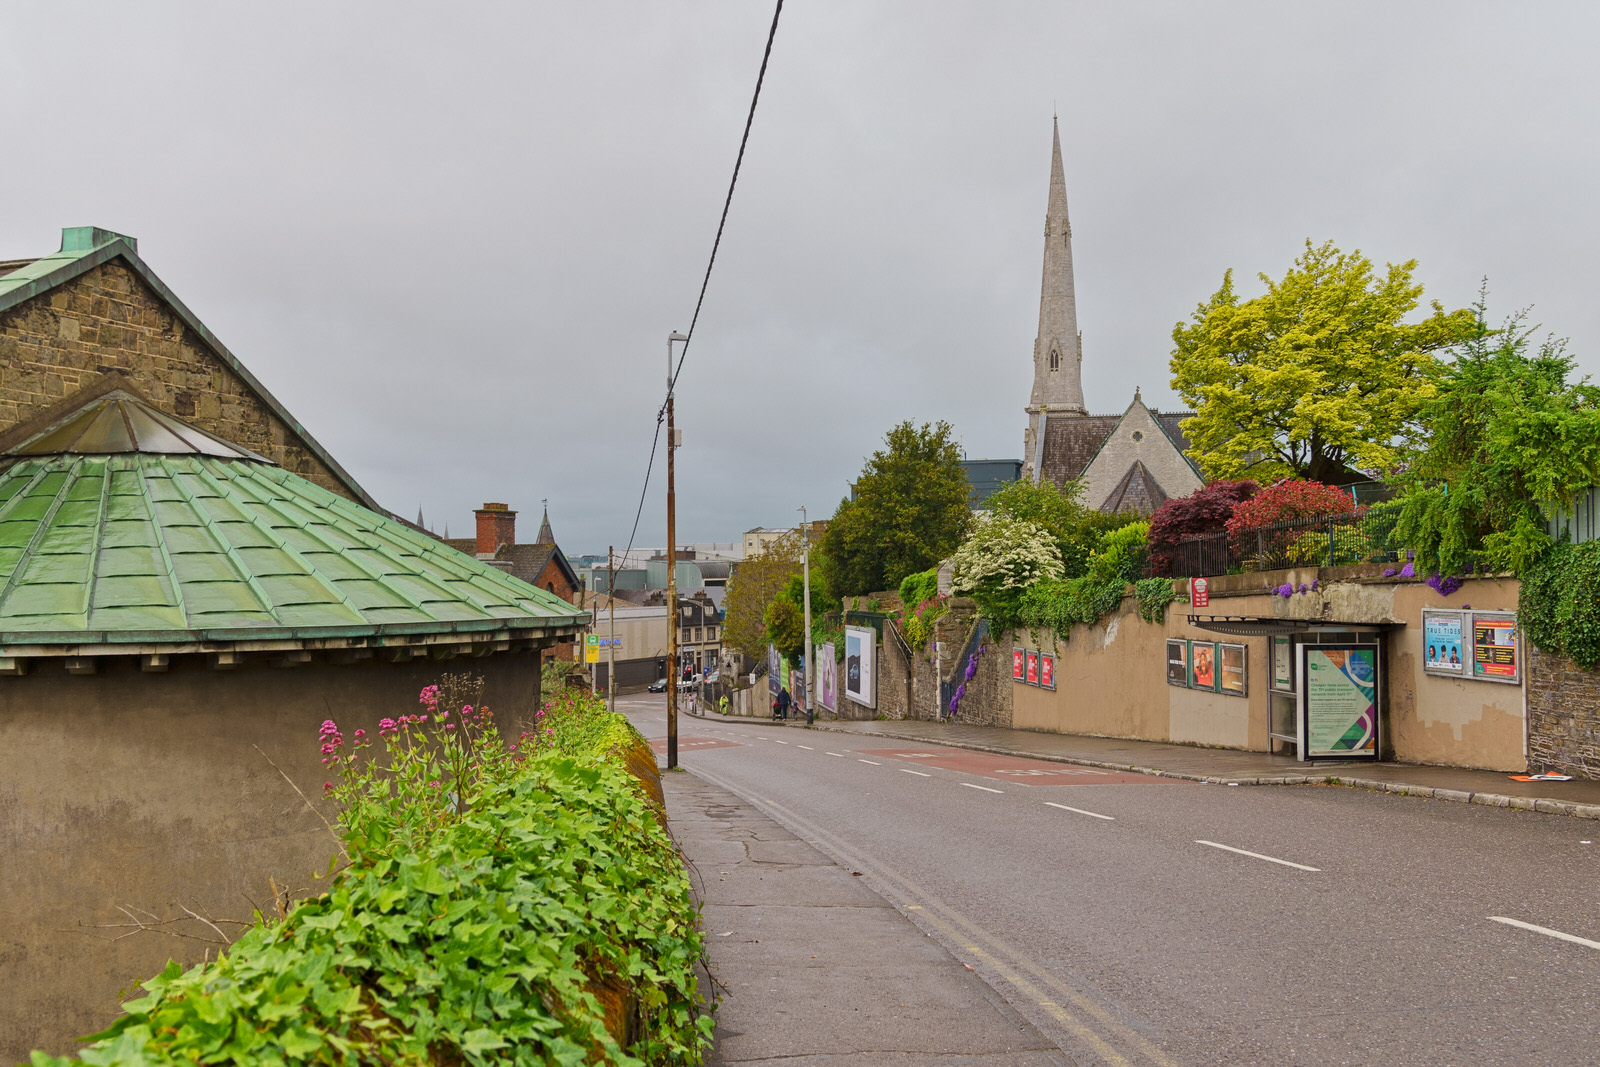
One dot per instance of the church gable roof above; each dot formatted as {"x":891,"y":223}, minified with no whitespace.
{"x":1138,"y":491}
{"x":84,"y":248}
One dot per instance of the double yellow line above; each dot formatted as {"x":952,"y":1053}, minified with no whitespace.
{"x":1097,"y":1029}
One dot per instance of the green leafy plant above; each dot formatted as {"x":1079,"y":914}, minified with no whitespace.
{"x":917,"y":624}
{"x":1000,"y":561}
{"x":1059,"y":605}
{"x":1559,"y":603}
{"x":1154,"y":594}
{"x":500,"y":904}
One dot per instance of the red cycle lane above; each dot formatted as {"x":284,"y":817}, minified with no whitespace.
{"x":1016,"y":769}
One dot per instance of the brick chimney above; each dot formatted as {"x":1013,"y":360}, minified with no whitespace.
{"x":497,"y":525}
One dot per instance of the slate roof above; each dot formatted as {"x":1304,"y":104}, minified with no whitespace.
{"x":1070,"y":442}
{"x":1138,"y":491}
{"x":157,"y":546}
{"x":529,"y":561}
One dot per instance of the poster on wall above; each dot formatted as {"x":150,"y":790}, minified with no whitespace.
{"x":1018,"y":656}
{"x":1339,"y":702}
{"x":827,"y":678}
{"x":1178,"y":663}
{"x":1032,"y":677}
{"x":774,"y":672}
{"x":1202,"y":665}
{"x":859,"y":677}
{"x":1047,"y":670}
{"x":1282,"y":665}
{"x":1442,"y":633}
{"x":1231,"y":675}
{"x":1494,"y":647}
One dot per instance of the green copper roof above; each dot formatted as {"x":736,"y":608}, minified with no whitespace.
{"x":143,"y":547}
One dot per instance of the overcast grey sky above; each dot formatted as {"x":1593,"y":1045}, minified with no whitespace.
{"x":453,"y":239}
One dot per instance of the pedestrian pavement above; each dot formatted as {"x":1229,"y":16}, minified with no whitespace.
{"x":1579,"y":797}
{"x":809,"y":967}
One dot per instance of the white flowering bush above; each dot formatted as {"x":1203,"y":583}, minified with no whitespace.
{"x":1002,"y":558}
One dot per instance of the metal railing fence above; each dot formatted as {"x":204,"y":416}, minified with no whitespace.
{"x":1365,"y":536}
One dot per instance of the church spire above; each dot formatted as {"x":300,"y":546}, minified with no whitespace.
{"x":1057,"y":352}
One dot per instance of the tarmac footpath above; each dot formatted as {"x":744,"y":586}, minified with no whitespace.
{"x":810,"y":967}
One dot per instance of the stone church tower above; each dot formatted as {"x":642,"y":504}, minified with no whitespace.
{"x":1128,"y":462}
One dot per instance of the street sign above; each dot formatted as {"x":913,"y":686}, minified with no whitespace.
{"x":1199,"y":592}
{"x":591,"y":648}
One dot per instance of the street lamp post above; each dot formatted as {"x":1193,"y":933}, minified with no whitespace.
{"x":805,"y":579}
{"x":672,"y":570}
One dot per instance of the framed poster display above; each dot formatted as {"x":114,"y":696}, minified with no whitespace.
{"x":1282,"y":664}
{"x":1232,"y":678}
{"x":1443,"y":648}
{"x":1496,"y":653}
{"x":1018,"y":656}
{"x":1047,"y":670}
{"x":1178,"y":663}
{"x":1032,"y":677}
{"x":827,"y":678}
{"x":859,"y":675}
{"x":774,"y":672}
{"x":1203,"y":665}
{"x":1338,"y":702}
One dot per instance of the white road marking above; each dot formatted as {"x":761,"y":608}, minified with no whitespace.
{"x":869,"y":761}
{"x":1080,"y":811}
{"x":839,"y":754}
{"x":985,"y":788}
{"x":919,"y":774}
{"x":808,"y":748}
{"x":1545,"y":930}
{"x":780,"y":742}
{"x":1259,"y":856}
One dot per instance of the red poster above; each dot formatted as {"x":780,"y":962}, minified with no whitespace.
{"x":1199,"y":592}
{"x":1033,"y":668}
{"x":1047,"y":670}
{"x":1016,"y":664}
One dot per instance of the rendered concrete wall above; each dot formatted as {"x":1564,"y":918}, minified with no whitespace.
{"x":147,"y":791}
{"x":1111,"y":680}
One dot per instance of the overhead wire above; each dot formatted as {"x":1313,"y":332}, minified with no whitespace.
{"x":705,"y":282}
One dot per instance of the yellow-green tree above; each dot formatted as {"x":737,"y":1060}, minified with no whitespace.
{"x":1318,"y":375}
{"x":755,"y":584}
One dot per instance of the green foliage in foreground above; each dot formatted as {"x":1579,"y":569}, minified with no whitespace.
{"x":1559,"y":604}
{"x":459,"y":932}
{"x":1060,"y":605}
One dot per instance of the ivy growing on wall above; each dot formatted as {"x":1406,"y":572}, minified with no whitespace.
{"x":1560,"y":603}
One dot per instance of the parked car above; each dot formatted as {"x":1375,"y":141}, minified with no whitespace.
{"x":657,"y":686}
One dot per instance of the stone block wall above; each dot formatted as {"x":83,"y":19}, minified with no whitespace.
{"x":988,"y":698}
{"x":108,"y":321}
{"x":1563,"y":716}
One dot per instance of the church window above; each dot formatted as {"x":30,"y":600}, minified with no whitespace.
{"x":1055,"y":358}
{"x":1138,"y":435}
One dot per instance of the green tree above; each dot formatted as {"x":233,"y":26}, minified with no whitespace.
{"x":755,"y":584}
{"x":1317,"y":375}
{"x":1002,"y":559}
{"x":786,"y":627}
{"x":910,"y":511}
{"x":1506,"y":433}
{"x":1076,"y":530}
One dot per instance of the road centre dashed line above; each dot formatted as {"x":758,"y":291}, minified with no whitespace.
{"x":780,"y":742}
{"x":1545,"y":930}
{"x":1080,"y":811}
{"x":839,"y":754}
{"x":919,"y":774}
{"x":1259,"y":856}
{"x":986,"y":789}
{"x":808,"y":748}
{"x":859,"y":760}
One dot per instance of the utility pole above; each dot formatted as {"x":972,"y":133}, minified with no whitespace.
{"x":611,"y":599}
{"x":672,"y":571}
{"x":805,"y":579}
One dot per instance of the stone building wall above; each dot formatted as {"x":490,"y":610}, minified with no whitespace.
{"x":108,"y":321}
{"x":988,"y":698}
{"x":1563,"y":716}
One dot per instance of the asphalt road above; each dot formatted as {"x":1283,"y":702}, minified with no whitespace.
{"x":1143,"y":921}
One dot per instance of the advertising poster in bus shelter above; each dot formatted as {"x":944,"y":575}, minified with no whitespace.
{"x":1339,"y":701}
{"x":859,"y":642}
{"x":1441,"y":642}
{"x":827,"y":678}
{"x":1494,"y":647}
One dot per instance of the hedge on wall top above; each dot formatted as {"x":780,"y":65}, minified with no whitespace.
{"x":1560,"y":603}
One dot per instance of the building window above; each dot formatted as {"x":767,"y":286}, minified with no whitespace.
{"x":685,"y":638}
{"x":1055,"y":358}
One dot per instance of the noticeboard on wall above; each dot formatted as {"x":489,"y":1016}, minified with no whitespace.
{"x":1232,"y":677}
{"x":859,"y":674}
{"x":1282,"y":664}
{"x":1203,"y":665}
{"x":1178,"y":663}
{"x":1444,"y":649}
{"x":1496,"y":651}
{"x":1338,"y":702}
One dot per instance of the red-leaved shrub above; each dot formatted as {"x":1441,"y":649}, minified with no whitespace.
{"x":1204,"y":511}
{"x":1285,"y":500}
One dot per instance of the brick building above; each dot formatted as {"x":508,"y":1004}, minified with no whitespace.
{"x":541,"y":564}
